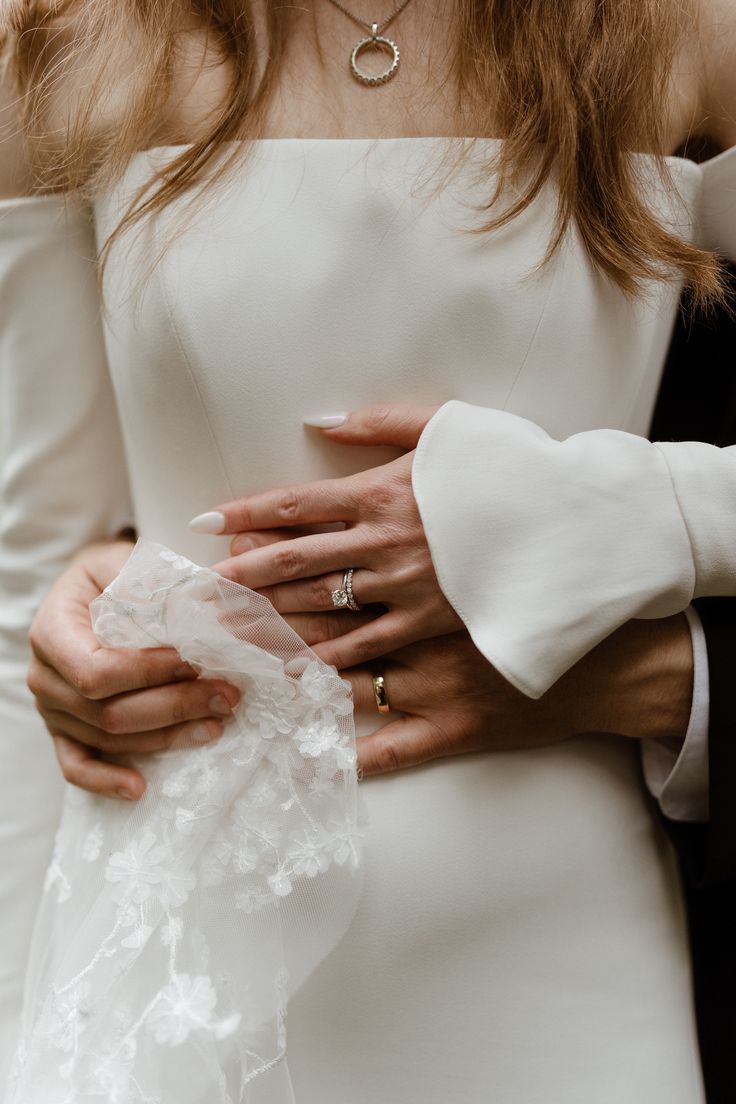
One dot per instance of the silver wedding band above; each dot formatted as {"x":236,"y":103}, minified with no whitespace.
{"x":343,"y":597}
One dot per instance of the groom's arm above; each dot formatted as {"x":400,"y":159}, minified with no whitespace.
{"x":698,"y":402}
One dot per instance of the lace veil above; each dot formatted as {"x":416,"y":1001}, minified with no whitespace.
{"x":172,"y":930}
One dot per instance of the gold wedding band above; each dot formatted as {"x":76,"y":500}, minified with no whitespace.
{"x":379,"y":689}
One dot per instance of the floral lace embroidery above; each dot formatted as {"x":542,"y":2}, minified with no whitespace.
{"x":163,"y":930}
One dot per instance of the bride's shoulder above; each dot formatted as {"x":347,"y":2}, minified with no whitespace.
{"x":15,"y":175}
{"x":716,"y":60}
{"x":93,"y":85}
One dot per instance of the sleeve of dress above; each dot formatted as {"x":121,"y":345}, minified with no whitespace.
{"x":545,"y":547}
{"x":63,"y":475}
{"x":62,"y":485}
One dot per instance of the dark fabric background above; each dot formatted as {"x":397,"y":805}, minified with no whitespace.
{"x":697,"y":401}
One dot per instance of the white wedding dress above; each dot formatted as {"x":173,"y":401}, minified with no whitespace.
{"x":520,"y":936}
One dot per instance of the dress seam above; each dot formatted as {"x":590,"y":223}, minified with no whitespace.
{"x":187,"y":361}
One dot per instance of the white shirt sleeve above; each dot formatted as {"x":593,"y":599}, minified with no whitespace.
{"x":679,"y":779}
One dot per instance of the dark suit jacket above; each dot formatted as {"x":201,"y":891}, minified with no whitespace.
{"x":697,"y":401}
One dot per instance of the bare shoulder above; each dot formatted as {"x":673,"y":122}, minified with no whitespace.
{"x":717,"y":48}
{"x":14,"y":168}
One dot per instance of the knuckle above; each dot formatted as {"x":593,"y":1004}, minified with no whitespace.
{"x":147,"y":673}
{"x":110,"y":719}
{"x":71,"y":774}
{"x":33,"y":679}
{"x":386,"y":756}
{"x":169,"y":738}
{"x":320,"y":594}
{"x":381,"y":497}
{"x":364,"y":649}
{"x":376,"y":417}
{"x":288,"y":564}
{"x":88,"y":683}
{"x":34,"y":636}
{"x":179,"y":712}
{"x":289,"y":506}
{"x":243,"y":518}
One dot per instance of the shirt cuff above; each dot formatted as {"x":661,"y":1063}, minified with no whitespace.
{"x":679,"y":781}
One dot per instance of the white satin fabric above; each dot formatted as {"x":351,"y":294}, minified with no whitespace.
{"x":521,"y":933}
{"x":570,"y":553}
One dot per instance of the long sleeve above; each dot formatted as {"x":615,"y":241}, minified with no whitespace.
{"x":544,"y":546}
{"x":62,"y":485}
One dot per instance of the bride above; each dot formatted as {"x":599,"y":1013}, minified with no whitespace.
{"x":281,"y":239}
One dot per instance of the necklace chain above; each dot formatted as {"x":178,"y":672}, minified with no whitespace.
{"x":374,"y":28}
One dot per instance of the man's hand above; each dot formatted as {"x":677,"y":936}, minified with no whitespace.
{"x":110,"y":701}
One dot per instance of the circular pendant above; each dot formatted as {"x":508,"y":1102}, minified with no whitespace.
{"x":375,"y":42}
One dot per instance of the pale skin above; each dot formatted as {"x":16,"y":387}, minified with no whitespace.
{"x":100,"y":703}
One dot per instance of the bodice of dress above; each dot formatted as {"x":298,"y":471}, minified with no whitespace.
{"x":517,"y":907}
{"x":325,"y":275}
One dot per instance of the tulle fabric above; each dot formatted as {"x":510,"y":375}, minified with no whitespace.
{"x":173,"y":930}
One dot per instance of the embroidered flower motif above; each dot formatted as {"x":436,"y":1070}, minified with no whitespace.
{"x":280,"y":883}
{"x":175,"y":886}
{"x":137,"y":869}
{"x":179,"y":563}
{"x":71,"y":1012}
{"x":55,"y":876}
{"x":319,"y":737}
{"x":176,"y":785}
{"x":309,"y":851}
{"x":273,"y":707}
{"x":93,"y":843}
{"x":231,"y":826}
{"x":322,"y":684}
{"x":185,"y":1005}
{"x":207,"y":778}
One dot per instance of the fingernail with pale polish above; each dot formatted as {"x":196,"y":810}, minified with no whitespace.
{"x":327,"y":421}
{"x":126,"y":794}
{"x":242,"y":544}
{"x":220,"y":706}
{"x":212,"y":522}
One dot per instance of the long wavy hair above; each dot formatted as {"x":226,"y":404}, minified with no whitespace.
{"x":573,"y":87}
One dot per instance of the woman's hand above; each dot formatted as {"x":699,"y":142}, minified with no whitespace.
{"x":637,"y":683}
{"x":382,"y":538}
{"x":109,"y":701}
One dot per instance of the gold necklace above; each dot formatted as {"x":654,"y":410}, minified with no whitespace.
{"x":375,"y":41}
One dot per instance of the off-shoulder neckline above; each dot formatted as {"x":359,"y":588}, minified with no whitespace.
{"x":151,"y":151}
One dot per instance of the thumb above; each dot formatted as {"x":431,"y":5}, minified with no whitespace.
{"x":397,"y":425}
{"x":406,"y":742}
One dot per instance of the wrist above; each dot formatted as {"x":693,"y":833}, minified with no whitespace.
{"x":638,"y":682}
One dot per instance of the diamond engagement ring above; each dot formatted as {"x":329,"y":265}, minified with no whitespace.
{"x":343,"y":597}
